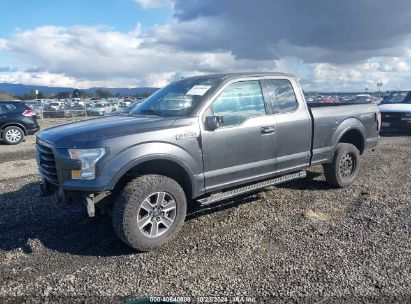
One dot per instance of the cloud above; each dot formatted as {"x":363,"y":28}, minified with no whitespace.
{"x":3,"y":44}
{"x":327,"y":44}
{"x":394,"y":64}
{"x":6,"y":69}
{"x":91,"y":53}
{"x":315,"y":31}
{"x":148,"y":4}
{"x":329,"y":77}
{"x":43,"y":78}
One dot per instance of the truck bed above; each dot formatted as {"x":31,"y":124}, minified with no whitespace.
{"x":330,"y":121}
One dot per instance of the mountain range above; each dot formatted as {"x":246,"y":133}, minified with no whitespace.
{"x":21,"y":89}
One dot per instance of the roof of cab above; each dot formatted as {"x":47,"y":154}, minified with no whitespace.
{"x":229,"y":76}
{"x":254,"y":74}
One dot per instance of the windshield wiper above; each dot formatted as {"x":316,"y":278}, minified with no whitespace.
{"x":151,"y":112}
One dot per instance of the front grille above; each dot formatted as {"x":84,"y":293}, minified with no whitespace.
{"x":46,"y":163}
{"x":391,"y":116}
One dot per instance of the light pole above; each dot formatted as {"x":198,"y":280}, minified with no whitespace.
{"x":379,"y":85}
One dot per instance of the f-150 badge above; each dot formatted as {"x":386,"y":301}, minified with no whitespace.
{"x":186,"y":134}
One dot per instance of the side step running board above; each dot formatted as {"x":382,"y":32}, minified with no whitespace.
{"x":231,"y":193}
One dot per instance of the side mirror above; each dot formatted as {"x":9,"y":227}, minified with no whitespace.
{"x":213,"y":122}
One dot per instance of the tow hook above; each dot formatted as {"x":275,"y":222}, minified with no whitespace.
{"x":91,"y":210}
{"x":46,"y":188}
{"x":62,"y":198}
{"x":93,"y":199}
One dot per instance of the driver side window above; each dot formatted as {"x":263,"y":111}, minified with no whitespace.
{"x":239,"y":101}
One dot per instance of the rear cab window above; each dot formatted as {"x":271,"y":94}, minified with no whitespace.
{"x":282,"y":95}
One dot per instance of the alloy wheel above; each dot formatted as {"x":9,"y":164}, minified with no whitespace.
{"x":156,"y":214}
{"x":13,"y":135}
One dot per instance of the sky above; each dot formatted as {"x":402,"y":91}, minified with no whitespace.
{"x":329,"y":45}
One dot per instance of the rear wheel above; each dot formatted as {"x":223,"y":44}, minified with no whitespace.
{"x":13,"y":135}
{"x":345,"y":166}
{"x":149,"y":212}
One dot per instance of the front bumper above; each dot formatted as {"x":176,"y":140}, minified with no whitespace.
{"x":403,"y":125}
{"x":55,"y":168}
{"x":395,"y":120}
{"x":74,"y":199}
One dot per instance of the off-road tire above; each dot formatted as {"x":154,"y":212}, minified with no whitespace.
{"x":12,"y":129}
{"x":332,"y":171}
{"x":128,"y":204}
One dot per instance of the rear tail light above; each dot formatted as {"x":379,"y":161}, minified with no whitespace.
{"x":378,"y":120}
{"x":29,"y":113}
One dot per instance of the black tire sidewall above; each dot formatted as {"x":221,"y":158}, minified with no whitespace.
{"x":133,"y":198}
{"x":347,"y":149}
{"x":11,"y":128}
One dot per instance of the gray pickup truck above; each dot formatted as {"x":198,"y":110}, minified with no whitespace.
{"x":200,"y":140}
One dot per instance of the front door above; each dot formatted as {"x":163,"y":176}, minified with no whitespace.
{"x":243,"y":148}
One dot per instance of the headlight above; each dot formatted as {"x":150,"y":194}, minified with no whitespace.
{"x":89,"y":158}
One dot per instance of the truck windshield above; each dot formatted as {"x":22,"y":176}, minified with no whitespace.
{"x":178,"y":99}
{"x":398,"y":97}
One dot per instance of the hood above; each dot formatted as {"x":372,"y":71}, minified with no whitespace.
{"x":86,"y":133}
{"x":395,"y":107}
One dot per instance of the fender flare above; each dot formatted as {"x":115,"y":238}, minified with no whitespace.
{"x":130,"y":161}
{"x":345,"y":126}
{"x":16,"y":124}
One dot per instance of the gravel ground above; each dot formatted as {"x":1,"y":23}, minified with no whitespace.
{"x":300,"y":242}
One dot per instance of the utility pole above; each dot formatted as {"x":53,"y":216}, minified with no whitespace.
{"x":379,"y":85}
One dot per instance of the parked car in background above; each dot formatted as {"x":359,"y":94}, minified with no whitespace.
{"x":55,"y":105}
{"x":89,"y":105}
{"x":16,"y":121}
{"x":74,"y":110}
{"x":114,"y":104}
{"x":100,"y":109}
{"x":37,"y":107}
{"x":396,"y":110}
{"x":330,"y":99}
{"x":125,"y":103}
{"x":364,"y":98}
{"x":128,"y":109}
{"x":54,"y":109}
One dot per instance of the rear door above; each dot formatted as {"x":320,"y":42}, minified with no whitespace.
{"x":293,"y":123}
{"x":2,"y":114}
{"x":5,"y":109}
{"x":243,"y":148}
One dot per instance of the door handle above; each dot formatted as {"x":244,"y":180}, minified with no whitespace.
{"x":267,"y":130}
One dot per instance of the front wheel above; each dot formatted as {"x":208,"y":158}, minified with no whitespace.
{"x":345,"y":166}
{"x":13,"y":135}
{"x":149,"y":212}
